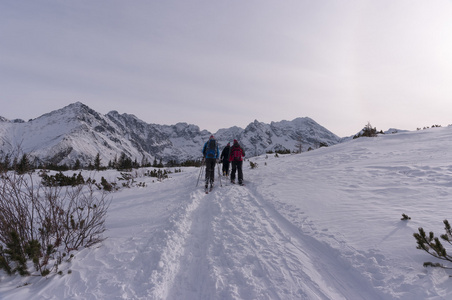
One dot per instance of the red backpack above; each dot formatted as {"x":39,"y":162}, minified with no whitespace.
{"x":236,"y":154}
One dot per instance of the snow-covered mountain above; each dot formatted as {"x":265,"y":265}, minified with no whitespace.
{"x":78,"y":132}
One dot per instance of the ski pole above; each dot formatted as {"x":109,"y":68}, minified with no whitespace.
{"x":200,"y":171}
{"x":219,"y":174}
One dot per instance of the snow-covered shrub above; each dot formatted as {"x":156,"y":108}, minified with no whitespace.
{"x":405,"y":217}
{"x":59,"y":179}
{"x":43,"y":224}
{"x":107,"y":186}
{"x":159,"y":174}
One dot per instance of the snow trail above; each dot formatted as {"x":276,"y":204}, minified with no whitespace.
{"x":170,"y":263}
{"x":239,"y":247}
{"x":194,"y":279}
{"x":261,"y":261}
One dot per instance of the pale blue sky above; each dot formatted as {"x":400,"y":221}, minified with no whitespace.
{"x":218,"y":64}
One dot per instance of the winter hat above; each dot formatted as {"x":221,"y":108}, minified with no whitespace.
{"x":229,"y":144}
{"x":212,"y":136}
{"x":235,"y":142}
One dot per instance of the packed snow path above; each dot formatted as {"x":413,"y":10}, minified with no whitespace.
{"x":238,"y":247}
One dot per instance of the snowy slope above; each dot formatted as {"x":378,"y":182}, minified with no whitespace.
{"x":324,"y":224}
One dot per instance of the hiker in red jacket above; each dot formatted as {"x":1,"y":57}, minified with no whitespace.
{"x":236,"y":155}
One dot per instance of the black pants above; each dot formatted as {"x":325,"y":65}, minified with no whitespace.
{"x":226,"y":167}
{"x":210,"y":169}
{"x":237,"y":165}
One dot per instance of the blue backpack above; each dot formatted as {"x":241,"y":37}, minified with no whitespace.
{"x":211,"y":148}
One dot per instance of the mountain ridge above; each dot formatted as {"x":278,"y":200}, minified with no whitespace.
{"x":77,"y":132}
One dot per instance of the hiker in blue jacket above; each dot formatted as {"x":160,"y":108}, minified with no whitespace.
{"x":211,"y":154}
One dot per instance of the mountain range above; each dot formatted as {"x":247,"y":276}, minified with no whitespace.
{"x":77,"y":132}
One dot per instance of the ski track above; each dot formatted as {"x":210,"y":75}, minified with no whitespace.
{"x":232,"y":244}
{"x":148,"y":257}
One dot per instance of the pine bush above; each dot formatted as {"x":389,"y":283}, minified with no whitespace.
{"x":433,"y":246}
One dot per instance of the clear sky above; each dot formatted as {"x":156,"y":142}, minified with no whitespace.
{"x":218,"y":64}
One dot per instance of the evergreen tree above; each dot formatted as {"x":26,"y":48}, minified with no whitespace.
{"x":97,"y":165}
{"x":299,"y":144}
{"x":136,"y":164}
{"x":115,"y":162}
{"x":145,"y":162}
{"x":24,"y":165}
{"x":124,"y":163}
{"x":77,"y":164}
{"x":367,"y":131}
{"x":160,"y":165}
{"x":6,"y":162}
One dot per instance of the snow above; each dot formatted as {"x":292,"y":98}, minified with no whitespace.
{"x":324,"y":224}
{"x":83,"y":133}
